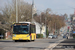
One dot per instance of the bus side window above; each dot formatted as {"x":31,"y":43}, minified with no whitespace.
{"x":32,"y":29}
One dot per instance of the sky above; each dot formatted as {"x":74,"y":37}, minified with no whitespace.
{"x":57,"y":6}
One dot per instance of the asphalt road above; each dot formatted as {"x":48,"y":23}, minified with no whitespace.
{"x":38,"y":44}
{"x":68,"y":44}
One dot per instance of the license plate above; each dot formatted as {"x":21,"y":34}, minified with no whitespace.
{"x":20,"y":38}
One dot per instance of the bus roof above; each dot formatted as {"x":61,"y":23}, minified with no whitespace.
{"x":27,"y":22}
{"x":24,"y":22}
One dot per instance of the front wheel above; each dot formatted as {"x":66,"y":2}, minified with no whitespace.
{"x":15,"y":40}
{"x":34,"y":39}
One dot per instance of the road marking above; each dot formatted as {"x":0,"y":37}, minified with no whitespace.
{"x":51,"y":46}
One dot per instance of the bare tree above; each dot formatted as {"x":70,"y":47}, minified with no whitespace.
{"x":9,"y":12}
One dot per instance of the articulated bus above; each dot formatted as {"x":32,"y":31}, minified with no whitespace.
{"x":24,"y":31}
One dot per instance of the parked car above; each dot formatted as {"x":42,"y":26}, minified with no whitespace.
{"x":50,"y":36}
{"x":54,"y":36}
{"x":62,"y":34}
{"x":65,"y":36}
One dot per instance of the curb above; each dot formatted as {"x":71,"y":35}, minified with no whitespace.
{"x":5,"y":39}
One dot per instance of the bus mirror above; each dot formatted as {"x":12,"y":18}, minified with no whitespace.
{"x":11,"y":27}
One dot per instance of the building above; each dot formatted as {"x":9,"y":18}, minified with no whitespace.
{"x":38,"y":26}
{"x":43,"y":31}
{"x":7,"y":35}
{"x":72,"y":17}
{"x":40,"y":29}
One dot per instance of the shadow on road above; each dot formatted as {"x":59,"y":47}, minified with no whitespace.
{"x":32,"y":47}
{"x":14,"y":41}
{"x":51,"y":42}
{"x":68,"y":43}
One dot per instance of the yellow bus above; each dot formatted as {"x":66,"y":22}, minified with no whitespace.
{"x":24,"y":31}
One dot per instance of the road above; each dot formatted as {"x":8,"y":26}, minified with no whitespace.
{"x":38,"y":44}
{"x":68,"y":44}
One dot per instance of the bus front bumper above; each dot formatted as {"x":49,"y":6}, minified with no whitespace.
{"x":21,"y":38}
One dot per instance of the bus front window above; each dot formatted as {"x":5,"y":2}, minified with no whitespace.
{"x":20,"y":29}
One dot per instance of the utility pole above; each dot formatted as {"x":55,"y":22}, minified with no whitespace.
{"x":55,"y":28}
{"x":51,"y":26}
{"x":40,"y":24}
{"x":16,"y":12}
{"x":74,"y":11}
{"x":32,"y":9}
{"x":45,"y":25}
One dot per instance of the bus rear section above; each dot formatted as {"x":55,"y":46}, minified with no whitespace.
{"x":23,"y":31}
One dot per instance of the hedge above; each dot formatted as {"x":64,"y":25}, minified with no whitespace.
{"x":39,"y":35}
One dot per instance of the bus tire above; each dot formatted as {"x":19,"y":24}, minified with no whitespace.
{"x":15,"y":40}
{"x":34,"y":38}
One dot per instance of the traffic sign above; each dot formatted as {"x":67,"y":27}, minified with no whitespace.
{"x":73,"y":31}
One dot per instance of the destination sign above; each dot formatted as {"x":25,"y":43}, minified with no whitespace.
{"x":24,"y":24}
{"x":17,"y":24}
{"x":21,"y":24}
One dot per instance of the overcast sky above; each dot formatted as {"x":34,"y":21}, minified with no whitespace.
{"x":57,"y":6}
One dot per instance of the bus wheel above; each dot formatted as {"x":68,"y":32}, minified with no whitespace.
{"x":15,"y":40}
{"x":34,"y":38}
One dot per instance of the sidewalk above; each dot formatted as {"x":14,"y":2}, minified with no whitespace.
{"x":5,"y":39}
{"x":70,"y":38}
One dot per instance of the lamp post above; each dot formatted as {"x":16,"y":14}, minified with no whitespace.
{"x":40,"y":19}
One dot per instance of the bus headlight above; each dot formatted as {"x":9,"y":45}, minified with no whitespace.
{"x":14,"y":35}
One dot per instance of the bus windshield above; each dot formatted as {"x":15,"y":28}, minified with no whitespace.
{"x":20,"y":29}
